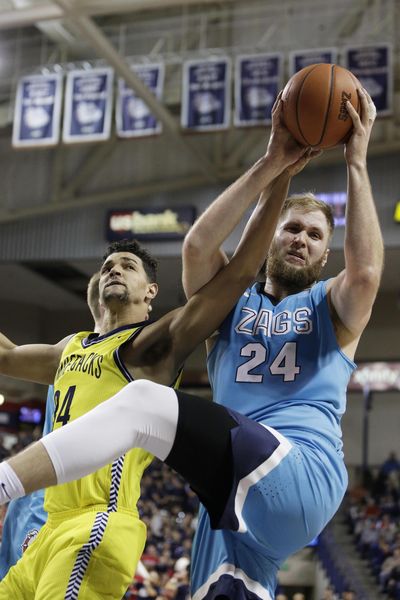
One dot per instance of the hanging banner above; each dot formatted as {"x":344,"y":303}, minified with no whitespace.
{"x":258,"y":79}
{"x":372,"y":65}
{"x":304,"y":58}
{"x":37,"y":111}
{"x":206,"y":94}
{"x":133,"y":116}
{"x":88,"y":105}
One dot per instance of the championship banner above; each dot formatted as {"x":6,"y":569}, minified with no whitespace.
{"x":133,"y":116}
{"x":372,"y":65}
{"x":37,"y":111}
{"x":88,"y":105}
{"x":304,"y":58}
{"x":206,"y":94}
{"x":149,"y":223}
{"x":258,"y":79}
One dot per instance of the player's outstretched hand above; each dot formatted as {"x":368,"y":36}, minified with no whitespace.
{"x":282,"y":149}
{"x":356,"y":148}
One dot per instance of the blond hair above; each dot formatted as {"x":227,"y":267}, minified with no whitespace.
{"x":308,"y":202}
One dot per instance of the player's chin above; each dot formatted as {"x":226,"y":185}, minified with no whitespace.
{"x":115,"y":295}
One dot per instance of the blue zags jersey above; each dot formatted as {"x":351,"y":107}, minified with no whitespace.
{"x":280,"y":364}
{"x":25,"y":516}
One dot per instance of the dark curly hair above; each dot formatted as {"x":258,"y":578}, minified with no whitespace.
{"x":150,"y":264}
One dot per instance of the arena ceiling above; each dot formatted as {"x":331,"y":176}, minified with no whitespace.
{"x":35,"y":34}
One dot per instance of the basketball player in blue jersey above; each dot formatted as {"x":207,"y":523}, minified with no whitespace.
{"x":25,"y":516}
{"x":265,"y":458}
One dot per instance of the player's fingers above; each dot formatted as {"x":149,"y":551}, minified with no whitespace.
{"x":277,"y":101}
{"x":277,"y":111}
{"x":368,"y":110}
{"x":355,"y":117}
{"x":371,"y":106}
{"x":315,"y":153}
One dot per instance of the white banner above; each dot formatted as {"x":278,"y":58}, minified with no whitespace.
{"x":133,"y":116}
{"x":206,"y":94}
{"x":372,"y":65}
{"x":258,"y":79}
{"x":37,"y":111}
{"x":88,"y":105}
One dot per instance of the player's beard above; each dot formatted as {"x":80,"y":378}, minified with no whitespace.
{"x":110,"y":296}
{"x":290,"y":277}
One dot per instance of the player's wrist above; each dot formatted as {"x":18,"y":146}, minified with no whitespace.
{"x":274,"y":163}
{"x":358,"y":164}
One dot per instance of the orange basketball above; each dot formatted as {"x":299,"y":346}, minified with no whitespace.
{"x":314,"y":105}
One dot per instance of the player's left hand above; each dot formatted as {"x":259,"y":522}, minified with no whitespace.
{"x":282,"y":149}
{"x":356,"y":147}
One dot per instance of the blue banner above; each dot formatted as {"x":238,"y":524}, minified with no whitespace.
{"x":304,"y":58}
{"x":149,"y":223}
{"x":258,"y":79}
{"x":133,"y":116}
{"x":372,"y":65}
{"x":37,"y":111}
{"x":206,"y":94}
{"x":88,"y":105}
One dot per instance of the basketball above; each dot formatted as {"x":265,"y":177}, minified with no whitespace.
{"x":314,"y":105}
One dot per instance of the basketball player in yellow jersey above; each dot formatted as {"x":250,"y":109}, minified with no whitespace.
{"x":93,"y":539}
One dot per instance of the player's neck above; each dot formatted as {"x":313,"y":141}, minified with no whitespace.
{"x":124,"y":315}
{"x":279,"y":290}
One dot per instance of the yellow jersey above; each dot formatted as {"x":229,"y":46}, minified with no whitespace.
{"x":91,"y":370}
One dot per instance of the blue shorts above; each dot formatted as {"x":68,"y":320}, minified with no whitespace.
{"x":283,"y":494}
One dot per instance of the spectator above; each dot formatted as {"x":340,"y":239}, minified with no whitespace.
{"x":390,"y":465}
{"x":329,"y":594}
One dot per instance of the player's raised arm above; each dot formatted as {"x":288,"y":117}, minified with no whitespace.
{"x":31,"y":362}
{"x":354,"y":290}
{"x":202,"y":255}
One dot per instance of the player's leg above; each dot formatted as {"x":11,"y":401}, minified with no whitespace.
{"x":169,"y":424}
{"x":21,"y":580}
{"x":225,"y":564}
{"x":85,"y":556}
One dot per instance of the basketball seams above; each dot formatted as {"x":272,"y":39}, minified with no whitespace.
{"x":298,"y":102}
{"x":328,"y":109}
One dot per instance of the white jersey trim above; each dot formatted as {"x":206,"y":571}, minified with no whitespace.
{"x":229,"y":569}
{"x":261,"y":471}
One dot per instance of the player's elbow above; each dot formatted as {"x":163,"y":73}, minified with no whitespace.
{"x":5,"y":360}
{"x":368,"y":278}
{"x":193,"y":247}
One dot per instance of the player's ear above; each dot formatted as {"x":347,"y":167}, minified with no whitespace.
{"x":152,"y":291}
{"x":325,"y":257}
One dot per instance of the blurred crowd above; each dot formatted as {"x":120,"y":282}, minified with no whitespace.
{"x":374,"y":520}
{"x":169,"y":509}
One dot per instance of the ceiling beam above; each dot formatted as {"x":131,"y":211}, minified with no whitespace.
{"x":105,"y":197}
{"x":95,"y":37}
{"x":27,"y":16}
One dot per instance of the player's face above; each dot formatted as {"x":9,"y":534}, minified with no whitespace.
{"x":123,"y":278}
{"x":299,"y":248}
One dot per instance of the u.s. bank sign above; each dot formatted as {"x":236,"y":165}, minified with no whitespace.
{"x":149,"y":223}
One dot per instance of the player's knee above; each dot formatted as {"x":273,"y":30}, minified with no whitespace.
{"x":142,"y":389}
{"x":139,"y":396}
